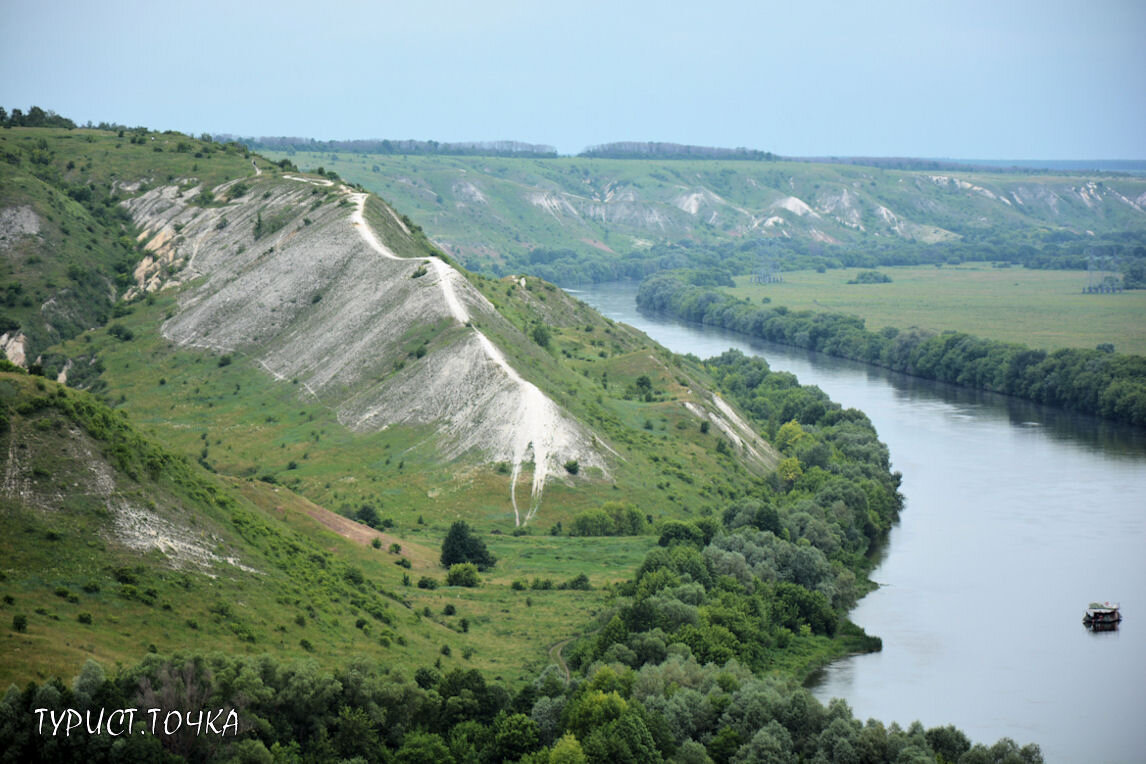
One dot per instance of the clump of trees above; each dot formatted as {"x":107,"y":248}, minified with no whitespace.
{"x":613,"y":518}
{"x":870,"y":277}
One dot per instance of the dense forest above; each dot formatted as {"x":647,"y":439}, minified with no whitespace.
{"x":1099,"y":381}
{"x":676,"y":709}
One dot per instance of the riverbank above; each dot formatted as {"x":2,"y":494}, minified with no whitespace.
{"x":1005,"y":500}
{"x":1097,"y":382}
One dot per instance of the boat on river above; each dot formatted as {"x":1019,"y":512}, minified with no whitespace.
{"x":1102,"y":615}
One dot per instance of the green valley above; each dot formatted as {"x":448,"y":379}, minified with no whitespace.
{"x":279,"y":399}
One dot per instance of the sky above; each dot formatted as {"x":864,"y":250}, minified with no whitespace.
{"x":984,"y":79}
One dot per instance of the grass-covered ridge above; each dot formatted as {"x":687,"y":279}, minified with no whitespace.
{"x":205,"y":486}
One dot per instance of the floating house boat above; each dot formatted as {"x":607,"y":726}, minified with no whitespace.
{"x":1102,"y":615}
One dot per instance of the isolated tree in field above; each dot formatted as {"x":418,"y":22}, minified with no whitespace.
{"x":461,"y":545}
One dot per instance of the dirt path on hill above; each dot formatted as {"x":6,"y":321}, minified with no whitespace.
{"x":537,"y":419}
{"x":555,"y":656}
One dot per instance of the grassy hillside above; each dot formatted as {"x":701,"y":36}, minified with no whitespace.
{"x":114,"y":546}
{"x":1044,"y":309}
{"x":241,"y":421}
{"x":69,"y":246}
{"x":495,"y":211}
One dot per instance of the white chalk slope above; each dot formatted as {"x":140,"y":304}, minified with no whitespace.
{"x":328,"y":304}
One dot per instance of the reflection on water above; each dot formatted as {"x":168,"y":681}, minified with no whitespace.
{"x":1016,"y":517}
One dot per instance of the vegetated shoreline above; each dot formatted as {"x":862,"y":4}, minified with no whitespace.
{"x":1098,"y":382}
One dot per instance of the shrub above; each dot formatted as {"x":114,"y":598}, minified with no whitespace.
{"x":463,"y":574}
{"x":121,"y":332}
{"x":376,"y":543}
{"x":85,"y":618}
{"x":20,"y":623}
{"x":425,"y":582}
{"x":572,"y":467}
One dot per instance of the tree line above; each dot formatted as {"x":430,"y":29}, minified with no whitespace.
{"x":660,"y":150}
{"x":1098,"y":382}
{"x":676,"y":710}
{"x":399,"y":147}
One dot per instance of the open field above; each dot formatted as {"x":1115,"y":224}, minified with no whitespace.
{"x":1040,"y":309}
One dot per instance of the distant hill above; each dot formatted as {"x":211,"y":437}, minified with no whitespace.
{"x":608,"y":218}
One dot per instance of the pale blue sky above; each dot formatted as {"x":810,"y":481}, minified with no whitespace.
{"x":1052,"y":79}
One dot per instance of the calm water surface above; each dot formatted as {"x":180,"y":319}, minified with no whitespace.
{"x":1016,"y":517}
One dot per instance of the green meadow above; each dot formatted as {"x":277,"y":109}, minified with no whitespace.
{"x":1044,"y":309}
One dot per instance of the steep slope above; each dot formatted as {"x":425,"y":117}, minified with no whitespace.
{"x":66,"y":248}
{"x":322,"y":301}
{"x":110,"y":543}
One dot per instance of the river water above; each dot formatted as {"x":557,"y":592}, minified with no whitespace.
{"x":1016,"y":516}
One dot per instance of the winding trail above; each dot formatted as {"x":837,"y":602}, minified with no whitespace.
{"x":556,"y":657}
{"x":537,"y":420}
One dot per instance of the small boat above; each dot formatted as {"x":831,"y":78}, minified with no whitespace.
{"x":1102,"y":615}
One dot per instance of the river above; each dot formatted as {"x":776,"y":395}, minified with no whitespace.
{"x":1016,"y":516}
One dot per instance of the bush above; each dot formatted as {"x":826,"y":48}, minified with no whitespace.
{"x":85,"y":618}
{"x":121,"y":332}
{"x":425,"y":582}
{"x":572,"y":467}
{"x":463,"y":574}
{"x":20,"y":623}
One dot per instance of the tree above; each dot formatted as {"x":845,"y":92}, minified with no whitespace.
{"x":514,"y":735}
{"x":678,"y":532}
{"x":540,"y":335}
{"x":422,"y":748}
{"x":567,"y":750}
{"x":461,"y":545}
